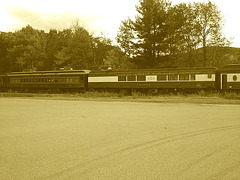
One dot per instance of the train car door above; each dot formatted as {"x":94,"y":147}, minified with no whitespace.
{"x":224,"y":81}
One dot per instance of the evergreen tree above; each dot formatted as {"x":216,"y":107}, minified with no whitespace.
{"x":125,"y":37}
{"x":151,"y":30}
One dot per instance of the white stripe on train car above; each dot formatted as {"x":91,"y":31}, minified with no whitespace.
{"x":151,"y":78}
{"x":204,"y":77}
{"x":233,"y":77}
{"x":103,"y":79}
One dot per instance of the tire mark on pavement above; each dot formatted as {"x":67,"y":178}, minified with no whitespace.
{"x":223,"y":173}
{"x":199,"y":160}
{"x":89,"y":165}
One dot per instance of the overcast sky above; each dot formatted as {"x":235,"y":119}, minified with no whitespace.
{"x":95,"y":15}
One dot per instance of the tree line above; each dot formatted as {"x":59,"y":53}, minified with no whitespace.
{"x":161,"y":35}
{"x":31,"y":49}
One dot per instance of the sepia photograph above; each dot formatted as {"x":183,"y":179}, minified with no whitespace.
{"x":119,"y":89}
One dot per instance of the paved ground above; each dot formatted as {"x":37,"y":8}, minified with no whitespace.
{"x":55,"y":139}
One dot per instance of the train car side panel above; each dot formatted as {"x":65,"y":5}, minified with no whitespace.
{"x":230,"y":77}
{"x":154,"y":79}
{"x":48,"y":80}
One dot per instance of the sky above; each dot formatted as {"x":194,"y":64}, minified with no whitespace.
{"x":97,"y":16}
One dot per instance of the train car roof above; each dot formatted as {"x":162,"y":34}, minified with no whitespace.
{"x":165,"y":70}
{"x":231,"y":67}
{"x":65,"y":72}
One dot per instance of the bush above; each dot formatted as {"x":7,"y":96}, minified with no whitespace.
{"x":232,"y":95}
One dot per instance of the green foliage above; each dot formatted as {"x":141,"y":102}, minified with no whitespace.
{"x":162,"y":35}
{"x":150,"y":27}
{"x":78,"y":52}
{"x":26,"y":51}
{"x":117,"y":60}
{"x":101,"y":47}
{"x":125,"y":37}
{"x":163,"y":32}
{"x":52,"y":46}
{"x":216,"y":56}
{"x":30,"y":49}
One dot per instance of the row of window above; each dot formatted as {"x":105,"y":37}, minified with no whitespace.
{"x":184,"y":77}
{"x":44,"y":80}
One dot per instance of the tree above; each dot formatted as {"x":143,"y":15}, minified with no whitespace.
{"x":6,"y":41}
{"x":76,"y":50}
{"x":182,"y":34}
{"x":125,"y":37}
{"x":28,"y":49}
{"x":162,"y":33}
{"x":209,"y":26}
{"x":144,"y":39}
{"x":150,"y":27}
{"x":52,"y":46}
{"x":101,"y":46}
{"x":116,"y":59}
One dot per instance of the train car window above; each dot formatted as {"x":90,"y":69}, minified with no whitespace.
{"x":69,"y":80}
{"x":161,"y":77}
{"x":234,"y":78}
{"x":193,"y":77}
{"x":141,"y":78}
{"x":184,"y":77}
{"x":122,"y":78}
{"x":26,"y":80}
{"x":131,"y":78}
{"x":173,"y":77}
{"x":209,"y":76}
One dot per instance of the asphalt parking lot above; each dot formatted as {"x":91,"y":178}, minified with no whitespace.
{"x":61,"y":139}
